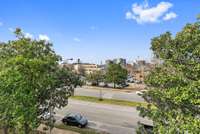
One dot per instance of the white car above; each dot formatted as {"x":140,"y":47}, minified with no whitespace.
{"x":46,"y":116}
{"x":140,"y":92}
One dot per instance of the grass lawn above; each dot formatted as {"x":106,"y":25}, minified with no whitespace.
{"x":70,"y":128}
{"x":79,"y":130}
{"x":33,"y":132}
{"x":109,"y":101}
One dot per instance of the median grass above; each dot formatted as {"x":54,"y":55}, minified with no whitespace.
{"x":109,"y":101}
{"x":79,"y":130}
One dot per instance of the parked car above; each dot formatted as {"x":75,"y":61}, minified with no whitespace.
{"x":75,"y":120}
{"x":138,"y":82}
{"x":124,"y":85}
{"x":148,"y":129}
{"x":102,"y":84}
{"x":130,"y":80}
{"x":46,"y":116}
{"x":140,"y":92}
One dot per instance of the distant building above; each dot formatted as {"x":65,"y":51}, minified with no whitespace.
{"x":130,"y":69}
{"x":90,"y":68}
{"x":67,"y":65}
{"x":139,"y":69}
{"x":108,"y":62}
{"x":86,"y":68}
{"x":141,"y":62}
{"x":82,"y":68}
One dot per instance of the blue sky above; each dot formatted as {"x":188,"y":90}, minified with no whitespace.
{"x":95,"y":30}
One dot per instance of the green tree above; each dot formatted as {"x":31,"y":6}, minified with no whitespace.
{"x":116,"y":74}
{"x":95,"y":78}
{"x":62,"y":87}
{"x":31,"y":82}
{"x":174,"y":85}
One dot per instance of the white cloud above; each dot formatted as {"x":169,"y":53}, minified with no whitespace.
{"x":76,"y":39}
{"x":1,"y":24}
{"x":28,"y":35}
{"x":93,"y":28}
{"x":143,"y":13}
{"x":129,"y":15}
{"x":169,"y":16}
{"x":44,"y":37}
{"x":11,"y":29}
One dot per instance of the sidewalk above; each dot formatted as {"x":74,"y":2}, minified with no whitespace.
{"x":131,"y":88}
{"x":56,"y":131}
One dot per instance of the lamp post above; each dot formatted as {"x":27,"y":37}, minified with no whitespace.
{"x":70,"y":59}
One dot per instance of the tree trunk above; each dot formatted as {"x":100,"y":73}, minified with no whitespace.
{"x":114,"y":85}
{"x":97,"y":83}
{"x":5,"y":129}
{"x":72,"y":93}
{"x":14,"y":131}
{"x":100,"y":94}
{"x":26,"y":128}
{"x":50,"y":119}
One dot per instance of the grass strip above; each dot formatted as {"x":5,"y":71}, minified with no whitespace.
{"x":79,"y":130}
{"x":109,"y":101}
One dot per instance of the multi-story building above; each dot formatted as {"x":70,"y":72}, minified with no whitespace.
{"x":87,"y":68}
{"x":139,"y":69}
{"x":82,"y":68}
{"x":130,"y":69}
{"x":66,"y":65}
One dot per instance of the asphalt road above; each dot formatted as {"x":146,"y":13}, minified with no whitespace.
{"x":109,"y":93}
{"x":110,"y":118}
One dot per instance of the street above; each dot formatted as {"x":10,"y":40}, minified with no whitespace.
{"x":109,"y":94}
{"x":110,"y":118}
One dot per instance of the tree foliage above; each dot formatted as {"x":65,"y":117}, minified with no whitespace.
{"x":96,"y":77}
{"x":31,"y":82}
{"x":174,"y":85}
{"x":116,"y":74}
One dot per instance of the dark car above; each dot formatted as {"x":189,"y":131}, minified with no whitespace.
{"x":123,"y":85}
{"x":75,"y":120}
{"x":148,"y":129}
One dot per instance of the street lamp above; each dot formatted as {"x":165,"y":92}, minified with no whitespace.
{"x":66,"y":61}
{"x":70,"y":59}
